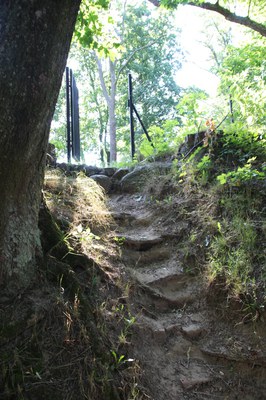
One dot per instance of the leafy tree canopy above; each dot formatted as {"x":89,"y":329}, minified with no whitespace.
{"x":243,"y":72}
{"x":88,"y":26}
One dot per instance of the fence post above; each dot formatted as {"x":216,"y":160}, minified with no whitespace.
{"x":75,"y":120}
{"x":130,"y":105}
{"x":142,"y":125}
{"x":72,"y":116}
{"x":231,"y":108}
{"x":68,"y":114}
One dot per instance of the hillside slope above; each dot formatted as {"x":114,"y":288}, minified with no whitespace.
{"x":156,"y":291}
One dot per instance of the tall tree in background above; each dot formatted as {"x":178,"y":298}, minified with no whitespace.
{"x":94,"y":111}
{"x":217,"y":39}
{"x":35,"y":39}
{"x":153,"y":67}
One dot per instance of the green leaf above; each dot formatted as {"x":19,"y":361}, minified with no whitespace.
{"x":222,"y":179}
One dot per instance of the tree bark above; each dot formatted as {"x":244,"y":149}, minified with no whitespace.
{"x":112,"y":116}
{"x":35,"y":40}
{"x":232,"y":17}
{"x":110,"y":98}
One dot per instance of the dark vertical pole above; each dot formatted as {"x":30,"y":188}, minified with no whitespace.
{"x":75,"y":121}
{"x":68,"y":112}
{"x":71,"y":107}
{"x":142,"y":125}
{"x":130,"y":105}
{"x":231,"y":109}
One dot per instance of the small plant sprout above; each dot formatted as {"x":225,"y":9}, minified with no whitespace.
{"x":120,"y":240}
{"x":120,"y":360}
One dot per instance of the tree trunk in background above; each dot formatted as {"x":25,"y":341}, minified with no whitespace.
{"x":112,"y":116}
{"x":35,"y":40}
{"x":110,"y":98}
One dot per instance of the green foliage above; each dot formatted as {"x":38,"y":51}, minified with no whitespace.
{"x":189,"y":108}
{"x":164,"y":140}
{"x":58,"y":127}
{"x":203,"y":168}
{"x":234,"y":254}
{"x":119,"y":240}
{"x":89,"y":27}
{"x":245,"y":149}
{"x":243,"y":73}
{"x":204,"y":163}
{"x":242,"y":174}
{"x":117,"y":359}
{"x":231,"y":256}
{"x":240,"y":139}
{"x":153,"y":67}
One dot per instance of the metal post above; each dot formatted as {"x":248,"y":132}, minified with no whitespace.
{"x":142,"y":125}
{"x":231,"y":108}
{"x":131,"y":120}
{"x":71,"y":107}
{"x":68,"y":113}
{"x":75,"y":121}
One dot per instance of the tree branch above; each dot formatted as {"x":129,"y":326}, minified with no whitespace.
{"x":229,"y":15}
{"x":232,"y":17}
{"x":132,"y":55}
{"x":103,"y":85}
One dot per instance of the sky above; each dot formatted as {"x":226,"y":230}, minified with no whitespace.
{"x":192,"y":22}
{"x":194,"y":71}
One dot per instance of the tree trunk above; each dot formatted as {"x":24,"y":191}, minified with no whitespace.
{"x":35,"y":40}
{"x":110,"y":98}
{"x":112,"y":116}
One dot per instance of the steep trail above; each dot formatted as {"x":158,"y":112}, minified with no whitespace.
{"x":186,"y":345}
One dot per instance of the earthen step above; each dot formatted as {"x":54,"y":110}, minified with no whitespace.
{"x":162,"y":298}
{"x":122,"y":217}
{"x":252,"y":356}
{"x":157,"y":254}
{"x":141,"y":242}
{"x":155,"y":274}
{"x":177,"y":286}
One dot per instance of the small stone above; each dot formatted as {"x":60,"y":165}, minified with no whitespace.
{"x":159,"y":335}
{"x":172,"y":328}
{"x":103,"y":180}
{"x":120,"y":173}
{"x":89,"y":170}
{"x":192,"y":331}
{"x":193,"y":382}
{"x":134,"y":181}
{"x":108,"y":171}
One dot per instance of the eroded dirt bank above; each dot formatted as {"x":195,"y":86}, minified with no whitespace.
{"x":190,"y":343}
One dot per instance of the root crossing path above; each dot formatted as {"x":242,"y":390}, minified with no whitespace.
{"x":187,"y":344}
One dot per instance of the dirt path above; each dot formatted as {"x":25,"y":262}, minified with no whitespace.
{"x":187,"y":347}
